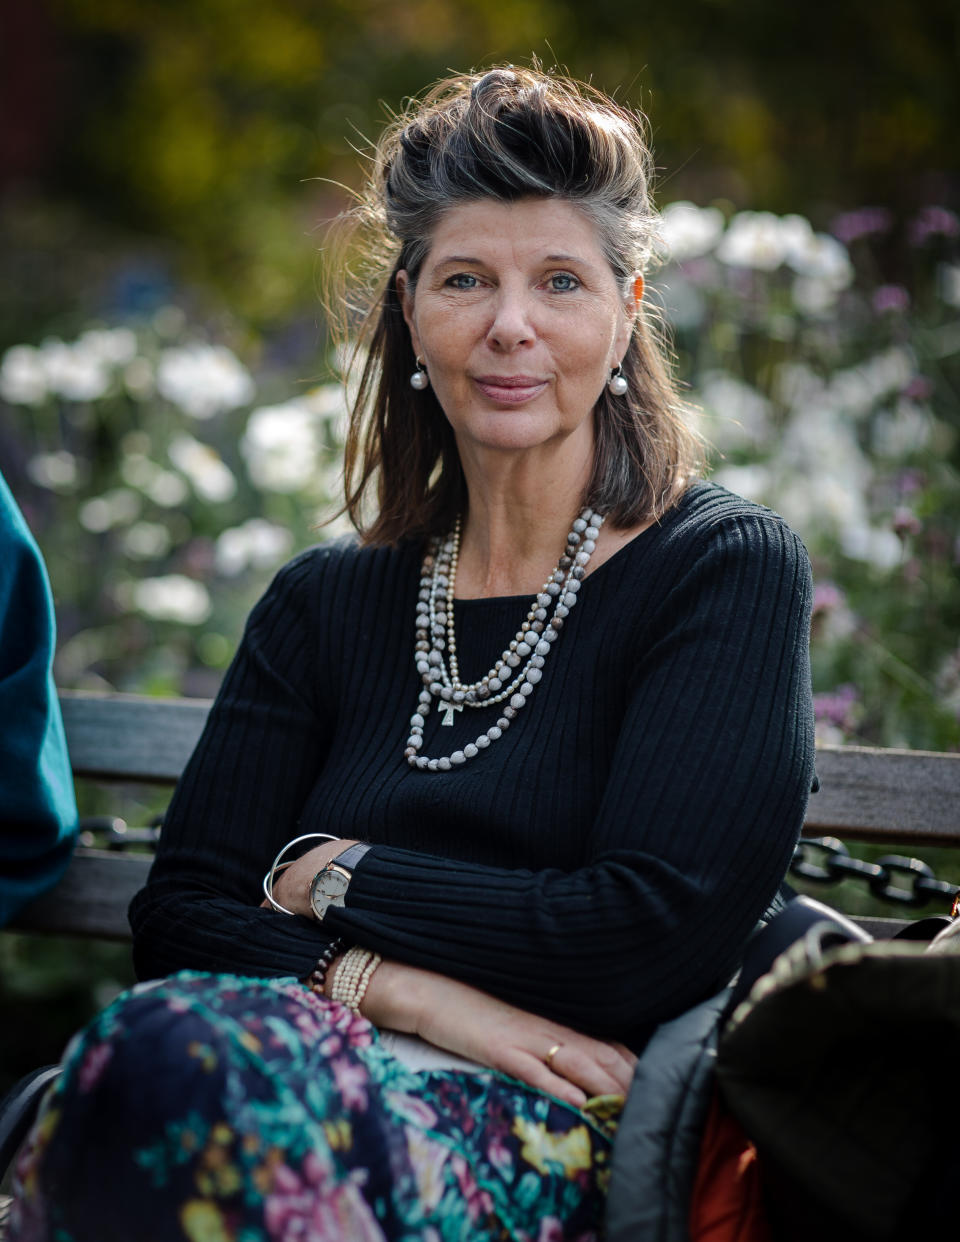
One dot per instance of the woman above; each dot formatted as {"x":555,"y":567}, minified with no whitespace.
{"x":539,"y":855}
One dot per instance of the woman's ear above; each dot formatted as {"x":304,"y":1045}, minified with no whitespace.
{"x":639,"y":284}
{"x":405,"y":293}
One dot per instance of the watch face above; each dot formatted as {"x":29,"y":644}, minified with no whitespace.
{"x":328,"y":889}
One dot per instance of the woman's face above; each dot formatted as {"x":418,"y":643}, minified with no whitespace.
{"x":519,"y":319}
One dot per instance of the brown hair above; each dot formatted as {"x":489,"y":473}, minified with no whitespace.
{"x":505,"y":134}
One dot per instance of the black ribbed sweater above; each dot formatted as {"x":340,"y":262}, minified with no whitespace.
{"x":602,"y":863}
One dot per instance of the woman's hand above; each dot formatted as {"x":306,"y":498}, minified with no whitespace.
{"x":291,"y":887}
{"x":482,"y":1028}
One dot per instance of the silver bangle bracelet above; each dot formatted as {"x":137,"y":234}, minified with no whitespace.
{"x":282,"y":866}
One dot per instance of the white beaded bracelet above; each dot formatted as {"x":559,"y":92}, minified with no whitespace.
{"x":354,"y":972}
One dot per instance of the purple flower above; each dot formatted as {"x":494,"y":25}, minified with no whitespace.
{"x":891,"y":298}
{"x":905,"y":522}
{"x":933,"y":222}
{"x":920,"y":388}
{"x":826,"y":597}
{"x":837,"y":706}
{"x":851,"y":225}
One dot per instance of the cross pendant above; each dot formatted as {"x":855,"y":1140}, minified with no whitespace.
{"x":449,"y":709}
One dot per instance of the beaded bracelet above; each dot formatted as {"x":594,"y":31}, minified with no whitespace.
{"x":353,"y":977}
{"x":316,"y":981}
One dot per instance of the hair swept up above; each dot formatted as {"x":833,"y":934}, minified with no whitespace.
{"x":503,"y":134}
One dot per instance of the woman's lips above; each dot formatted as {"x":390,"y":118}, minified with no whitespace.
{"x":510,"y":389}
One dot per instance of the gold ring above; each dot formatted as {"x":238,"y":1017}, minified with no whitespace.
{"x":548,"y":1059}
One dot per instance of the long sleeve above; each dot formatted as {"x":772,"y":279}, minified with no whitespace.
{"x":38,"y":812}
{"x":238,"y":802}
{"x":708,"y":785}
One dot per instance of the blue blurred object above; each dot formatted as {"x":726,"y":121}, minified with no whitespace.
{"x":38,"y":810}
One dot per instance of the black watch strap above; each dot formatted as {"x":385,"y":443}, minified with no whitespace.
{"x":350,"y":856}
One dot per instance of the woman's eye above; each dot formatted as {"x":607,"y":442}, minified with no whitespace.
{"x":563,"y":282}
{"x":463,"y":280}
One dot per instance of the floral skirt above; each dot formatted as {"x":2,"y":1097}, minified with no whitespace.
{"x":219,"y":1109}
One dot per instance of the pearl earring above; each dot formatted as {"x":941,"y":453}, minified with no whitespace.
{"x":420,"y":379}
{"x":616,"y":383}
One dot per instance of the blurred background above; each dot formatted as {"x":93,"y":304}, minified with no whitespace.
{"x":171,"y":411}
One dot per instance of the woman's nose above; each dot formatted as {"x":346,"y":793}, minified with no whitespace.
{"x":512,"y":324}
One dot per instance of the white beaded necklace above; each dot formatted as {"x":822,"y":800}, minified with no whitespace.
{"x":520,"y":666}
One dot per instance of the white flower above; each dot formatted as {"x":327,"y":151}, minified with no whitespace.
{"x":689,"y":231}
{"x":813,"y":296}
{"x":683,"y":303}
{"x":23,"y":378}
{"x":114,"y":346}
{"x":753,"y":482}
{"x":118,"y":507}
{"x":900,"y":432}
{"x":203,"y":380}
{"x":57,"y":471}
{"x":139,"y":380}
{"x":163,"y":487}
{"x":736,"y":413}
{"x":857,"y":390}
{"x":173,"y":597}
{"x":819,"y":256}
{"x":146,"y":541}
{"x":212,"y":479}
{"x":281,"y":447}
{"x":754,"y":239}
{"x":256,"y":544}
{"x":74,"y":372}
{"x":878,"y":546}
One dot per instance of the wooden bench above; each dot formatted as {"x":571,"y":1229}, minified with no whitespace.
{"x":907,"y":797}
{"x":888,"y":796}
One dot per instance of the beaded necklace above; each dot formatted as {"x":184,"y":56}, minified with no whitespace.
{"x":519,"y":668}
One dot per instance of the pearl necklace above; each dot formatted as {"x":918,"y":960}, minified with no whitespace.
{"x":520,"y":666}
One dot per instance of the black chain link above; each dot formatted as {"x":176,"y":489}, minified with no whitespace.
{"x":825,"y":860}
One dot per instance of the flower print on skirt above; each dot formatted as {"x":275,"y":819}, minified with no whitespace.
{"x":218,"y":1109}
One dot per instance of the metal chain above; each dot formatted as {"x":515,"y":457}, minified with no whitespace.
{"x":825,"y":860}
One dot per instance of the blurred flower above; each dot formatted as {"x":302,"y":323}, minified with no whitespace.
{"x":256,"y":544}
{"x":933,"y":222}
{"x":146,"y":541}
{"x":875,"y":545}
{"x":163,"y":487}
{"x":203,"y":380}
{"x":139,"y":380}
{"x":173,"y":597}
{"x":113,"y":346}
{"x":281,"y":447}
{"x":753,"y":482}
{"x":75,"y":372}
{"x":905,"y":522}
{"x":737,"y":413}
{"x":114,"y":508}
{"x":898,"y":433}
{"x":857,"y":389}
{"x":689,"y":231}
{"x":836,"y":713}
{"x":947,"y":682}
{"x":212,"y":479}
{"x":56,"y":471}
{"x":827,"y":597}
{"x":948,"y":279}
{"x":890,"y":298}
{"x":850,"y":226}
{"x":753,"y":239}
{"x":23,"y":378}
{"x":920,"y":388}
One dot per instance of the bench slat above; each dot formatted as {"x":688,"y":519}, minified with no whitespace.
{"x":131,"y":737}
{"x":91,"y":899}
{"x":871,"y":794}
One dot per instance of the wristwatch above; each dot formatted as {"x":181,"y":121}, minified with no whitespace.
{"x":329,"y":886}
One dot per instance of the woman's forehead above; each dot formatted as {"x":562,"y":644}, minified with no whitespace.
{"x":529,"y":228}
